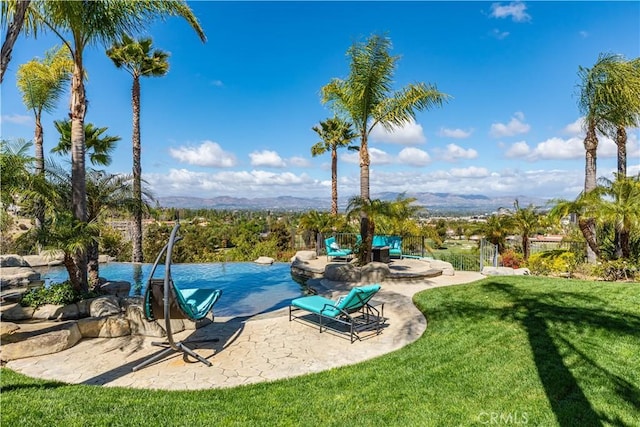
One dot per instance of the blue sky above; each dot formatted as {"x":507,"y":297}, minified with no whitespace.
{"x":233,"y":116}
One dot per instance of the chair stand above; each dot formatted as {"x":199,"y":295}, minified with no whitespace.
{"x":179,"y":346}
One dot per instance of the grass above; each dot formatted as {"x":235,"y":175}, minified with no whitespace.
{"x":514,"y":350}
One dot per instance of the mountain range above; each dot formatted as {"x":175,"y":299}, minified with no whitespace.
{"x":435,"y":203}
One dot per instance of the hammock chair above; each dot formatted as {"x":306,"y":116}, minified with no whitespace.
{"x":163,"y":300}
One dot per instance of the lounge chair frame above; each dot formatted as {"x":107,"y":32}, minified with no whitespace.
{"x":171,"y":305}
{"x":362,"y":317}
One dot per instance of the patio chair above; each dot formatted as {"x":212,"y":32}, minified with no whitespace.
{"x":164,"y":300}
{"x":353,"y":310}
{"x":335,"y":251}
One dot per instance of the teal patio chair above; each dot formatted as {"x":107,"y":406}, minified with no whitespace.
{"x":164,"y":300}
{"x":353,"y":310}
{"x":335,"y":251}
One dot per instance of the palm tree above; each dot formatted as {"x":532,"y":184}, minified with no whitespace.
{"x":335,"y":133}
{"x":137,"y":58}
{"x":17,"y":18}
{"x":366,"y":99}
{"x":581,"y":208}
{"x":526,"y":220}
{"x":99,"y":147}
{"x":41,"y":84}
{"x":496,"y":230}
{"x":79,"y":24}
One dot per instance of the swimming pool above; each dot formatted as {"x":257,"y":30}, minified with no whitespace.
{"x":247,"y":288}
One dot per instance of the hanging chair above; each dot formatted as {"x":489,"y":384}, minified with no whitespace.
{"x":164,"y":300}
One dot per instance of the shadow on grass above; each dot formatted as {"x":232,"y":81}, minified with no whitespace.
{"x":543,"y":317}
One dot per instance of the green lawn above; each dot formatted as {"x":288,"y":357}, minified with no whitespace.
{"x":501,"y":351}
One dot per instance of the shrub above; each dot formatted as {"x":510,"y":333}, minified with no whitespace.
{"x":619,"y":269}
{"x":553,"y":262}
{"x":57,"y":294}
{"x":511,"y":258}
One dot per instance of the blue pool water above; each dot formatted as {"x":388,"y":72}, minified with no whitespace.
{"x":247,"y":288}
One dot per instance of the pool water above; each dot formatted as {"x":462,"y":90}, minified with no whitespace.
{"x":247,"y":288}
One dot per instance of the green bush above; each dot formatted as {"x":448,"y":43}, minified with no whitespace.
{"x":56,"y":294}
{"x":554,"y":262}
{"x":619,"y":269}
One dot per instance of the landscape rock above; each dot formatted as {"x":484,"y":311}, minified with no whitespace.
{"x":104,"y":306}
{"x":46,"y":343}
{"x":55,"y":258}
{"x":374,"y":272}
{"x":522,"y":272}
{"x":446,"y":267}
{"x":139,"y":325}
{"x":12,"y":260}
{"x":48,"y":312}
{"x":497,"y":271}
{"x":17,"y":313}
{"x":116,"y":288}
{"x":18,"y":276}
{"x":264,"y":260}
{"x":7,"y":328}
{"x":104,"y":327}
{"x":304,"y":256}
{"x":342,"y":272}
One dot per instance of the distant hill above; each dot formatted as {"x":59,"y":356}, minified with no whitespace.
{"x":435,"y":203}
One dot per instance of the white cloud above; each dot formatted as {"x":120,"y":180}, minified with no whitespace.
{"x":414,"y":157}
{"x":515,"y":126}
{"x":455,"y":133}
{"x":576,"y":128}
{"x":500,"y":35}
{"x":377,"y":157}
{"x":18,"y":119}
{"x":516,"y":10}
{"x":409,"y":134}
{"x":266,"y":158}
{"x":518,"y":149}
{"x":470,"y":172}
{"x":299,"y":162}
{"x":455,"y":152}
{"x":209,"y":153}
{"x":558,"y":148}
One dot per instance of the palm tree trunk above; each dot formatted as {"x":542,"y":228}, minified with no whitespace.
{"x":365,"y":223}
{"x":621,"y":142}
{"x":590,"y":170}
{"x":13,"y":31}
{"x":525,"y":246}
{"x":38,"y":142}
{"x":78,"y":171}
{"x":137,"y":172}
{"x":93,"y":265}
{"x":334,"y":181}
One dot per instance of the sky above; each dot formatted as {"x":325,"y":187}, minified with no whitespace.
{"x":233,"y":116}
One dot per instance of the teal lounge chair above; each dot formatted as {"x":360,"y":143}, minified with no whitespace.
{"x":164,"y":300}
{"x":352,"y":310}
{"x":335,"y":251}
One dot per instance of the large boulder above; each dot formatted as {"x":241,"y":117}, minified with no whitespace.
{"x":104,"y":306}
{"x":264,"y":260}
{"x":12,"y":260}
{"x":16,"y":272}
{"x":116,"y":288}
{"x":304,"y":256}
{"x":342,"y":272}
{"x":7,"y":328}
{"x":17,"y":313}
{"x":374,"y":272}
{"x":56,"y":312}
{"x":104,"y":327}
{"x":55,"y":258}
{"x":47,"y":343}
{"x":141,"y":326}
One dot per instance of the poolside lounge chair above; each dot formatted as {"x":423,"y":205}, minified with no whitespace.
{"x":335,"y":251}
{"x":353,"y":310}
{"x":164,"y":300}
{"x":394,"y":243}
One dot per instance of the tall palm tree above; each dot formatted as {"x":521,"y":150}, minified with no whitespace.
{"x":526,"y":220}
{"x":42,"y":82}
{"x":137,"y":58}
{"x":335,"y":133}
{"x":17,"y":16}
{"x":366,"y":99}
{"x":586,"y":223}
{"x":79,"y":24}
{"x":99,"y":146}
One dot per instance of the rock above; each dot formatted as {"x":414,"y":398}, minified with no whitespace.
{"x":141,"y":326}
{"x":38,"y":345}
{"x":48,"y":312}
{"x":18,"y":312}
{"x":104,"y":327}
{"x":7,"y":328}
{"x":304,"y":256}
{"x":104,"y":306}
{"x":342,"y":272}
{"x":264,"y":260}
{"x":446,"y":267}
{"x":83,"y":308}
{"x":102,"y":259}
{"x":12,"y":260}
{"x":497,"y":271}
{"x":374,"y":272}
{"x":117,"y":288}
{"x":18,"y":276}
{"x":522,"y":272}
{"x":56,"y":258}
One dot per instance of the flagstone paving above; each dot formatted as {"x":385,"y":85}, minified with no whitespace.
{"x":250,"y":350}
